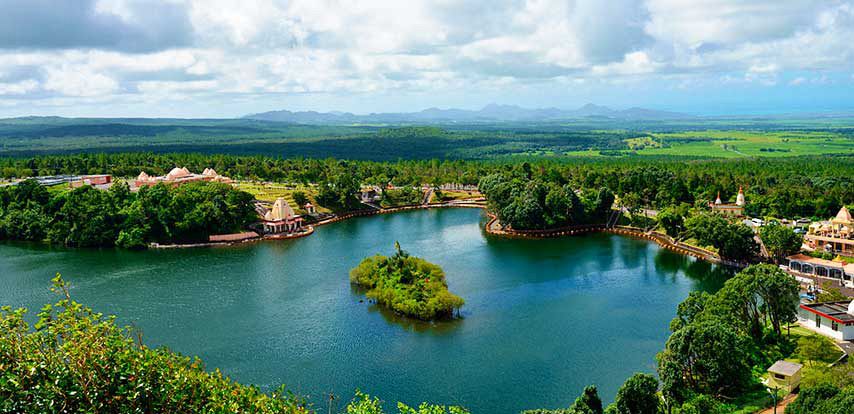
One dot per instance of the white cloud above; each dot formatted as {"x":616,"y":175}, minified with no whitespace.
{"x":239,"y":50}
{"x":18,"y":88}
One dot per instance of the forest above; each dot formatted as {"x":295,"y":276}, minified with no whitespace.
{"x":88,"y":217}
{"x":588,"y":137}
{"x":811,"y":186}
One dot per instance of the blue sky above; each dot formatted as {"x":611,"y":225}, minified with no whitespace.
{"x":223,"y":58}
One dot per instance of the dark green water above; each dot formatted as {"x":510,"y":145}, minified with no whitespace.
{"x":543,"y":318}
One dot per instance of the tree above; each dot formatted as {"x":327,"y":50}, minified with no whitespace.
{"x":638,"y":395}
{"x":757,"y":294}
{"x":672,"y":222}
{"x":816,"y":348}
{"x":689,"y":309}
{"x":588,"y":403}
{"x":810,"y":399}
{"x":733,"y":240}
{"x":300,"y":198}
{"x":704,"y":404}
{"x":705,"y":357}
{"x":365,"y":404}
{"x":780,"y":241}
{"x":830,"y":295}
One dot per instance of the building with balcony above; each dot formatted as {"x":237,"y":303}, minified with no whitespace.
{"x":835,"y":235}
{"x":820,"y":270}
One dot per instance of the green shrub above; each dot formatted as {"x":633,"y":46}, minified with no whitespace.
{"x":408,"y":285}
{"x":75,"y":360}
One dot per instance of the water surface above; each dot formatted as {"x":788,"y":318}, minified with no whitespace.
{"x":543,"y":318}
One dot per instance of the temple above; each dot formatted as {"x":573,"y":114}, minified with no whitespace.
{"x":179,"y":176}
{"x":736,"y":209}
{"x":281,"y":218}
{"x":834,"y":236}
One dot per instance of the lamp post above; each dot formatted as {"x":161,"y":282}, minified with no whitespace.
{"x":773,"y":391}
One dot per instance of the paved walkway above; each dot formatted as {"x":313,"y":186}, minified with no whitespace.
{"x":781,"y":405}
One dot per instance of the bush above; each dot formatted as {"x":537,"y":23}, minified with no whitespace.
{"x":820,"y":399}
{"x":408,"y":285}
{"x":75,"y":360}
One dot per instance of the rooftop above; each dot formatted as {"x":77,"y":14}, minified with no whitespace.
{"x":837,"y":311}
{"x":816,"y":261}
{"x":785,"y":368}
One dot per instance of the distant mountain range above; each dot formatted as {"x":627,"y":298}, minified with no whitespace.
{"x":489,"y":113}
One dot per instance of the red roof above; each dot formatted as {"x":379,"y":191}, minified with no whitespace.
{"x":233,"y":236}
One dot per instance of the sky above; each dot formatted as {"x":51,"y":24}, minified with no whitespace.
{"x":224,"y":58}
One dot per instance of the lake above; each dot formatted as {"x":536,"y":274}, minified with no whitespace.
{"x":543,"y":318}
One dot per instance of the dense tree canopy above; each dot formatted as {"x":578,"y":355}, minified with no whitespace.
{"x":781,"y":187}
{"x":780,"y":241}
{"x":732,"y":240}
{"x":87,"y":216}
{"x":638,"y":395}
{"x":524,"y":202}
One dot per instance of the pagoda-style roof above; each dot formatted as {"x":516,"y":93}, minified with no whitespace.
{"x":843,"y":216}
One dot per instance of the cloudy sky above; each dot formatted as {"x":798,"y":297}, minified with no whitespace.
{"x":223,"y":58}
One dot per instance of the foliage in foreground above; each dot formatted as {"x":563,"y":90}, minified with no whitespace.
{"x":408,"y":285}
{"x":823,"y":399}
{"x":75,"y":360}
{"x":365,"y":404}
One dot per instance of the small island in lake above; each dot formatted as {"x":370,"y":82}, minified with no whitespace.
{"x":408,"y":285}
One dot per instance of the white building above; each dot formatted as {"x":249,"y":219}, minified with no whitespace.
{"x":281,"y":218}
{"x":833,"y":319}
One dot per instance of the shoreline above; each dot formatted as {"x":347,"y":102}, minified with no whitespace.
{"x":492,"y":227}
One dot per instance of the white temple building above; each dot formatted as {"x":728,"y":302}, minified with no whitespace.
{"x":178,"y":176}
{"x":281,"y":218}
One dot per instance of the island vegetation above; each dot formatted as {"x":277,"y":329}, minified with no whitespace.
{"x":408,"y":285}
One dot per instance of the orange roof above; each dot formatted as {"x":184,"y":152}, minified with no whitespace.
{"x":815,"y":260}
{"x":233,"y":237}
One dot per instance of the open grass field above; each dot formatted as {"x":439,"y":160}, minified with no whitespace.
{"x":269,"y":192}
{"x":735,"y":143}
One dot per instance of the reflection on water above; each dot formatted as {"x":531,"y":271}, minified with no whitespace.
{"x":543,"y":318}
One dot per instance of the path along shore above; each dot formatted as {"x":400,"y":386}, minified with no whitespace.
{"x":493,"y":227}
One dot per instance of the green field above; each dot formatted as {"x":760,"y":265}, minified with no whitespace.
{"x":269,"y":192}
{"x":734,"y":143}
{"x":714,"y":138}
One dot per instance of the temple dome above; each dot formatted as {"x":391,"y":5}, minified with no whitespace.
{"x":843,"y":216}
{"x":281,"y":211}
{"x":177,"y":173}
{"x":739,"y":200}
{"x":143,"y":176}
